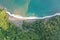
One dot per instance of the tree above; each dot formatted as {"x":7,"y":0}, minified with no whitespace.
{"x":3,"y":19}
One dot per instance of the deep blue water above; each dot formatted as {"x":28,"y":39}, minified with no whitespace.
{"x":32,"y":7}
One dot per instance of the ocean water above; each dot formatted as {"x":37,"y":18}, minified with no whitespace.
{"x":31,"y":7}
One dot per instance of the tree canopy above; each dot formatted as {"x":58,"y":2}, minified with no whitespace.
{"x":41,"y":29}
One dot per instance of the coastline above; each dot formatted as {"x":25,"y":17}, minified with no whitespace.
{"x":21,"y":17}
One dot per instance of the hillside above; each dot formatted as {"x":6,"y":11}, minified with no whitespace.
{"x":41,"y":29}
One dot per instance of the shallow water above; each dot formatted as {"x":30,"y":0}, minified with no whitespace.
{"x":31,"y":7}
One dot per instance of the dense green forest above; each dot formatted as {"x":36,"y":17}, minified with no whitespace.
{"x":42,"y":29}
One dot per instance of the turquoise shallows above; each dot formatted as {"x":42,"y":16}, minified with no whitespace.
{"x":34,"y":8}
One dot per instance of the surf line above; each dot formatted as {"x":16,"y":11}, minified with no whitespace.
{"x":21,"y":17}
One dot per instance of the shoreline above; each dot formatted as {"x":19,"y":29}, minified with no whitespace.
{"x":18,"y":20}
{"x":21,"y":17}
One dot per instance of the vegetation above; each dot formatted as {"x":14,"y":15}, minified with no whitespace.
{"x":3,"y":19}
{"x":45,"y":29}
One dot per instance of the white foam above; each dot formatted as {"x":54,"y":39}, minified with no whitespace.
{"x":21,"y":17}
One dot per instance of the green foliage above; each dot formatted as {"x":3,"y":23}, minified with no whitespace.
{"x":3,"y":19}
{"x":45,"y":29}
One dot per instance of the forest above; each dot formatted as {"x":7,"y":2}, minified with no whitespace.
{"x":41,"y":29}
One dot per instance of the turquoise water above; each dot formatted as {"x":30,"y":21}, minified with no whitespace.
{"x":32,"y":7}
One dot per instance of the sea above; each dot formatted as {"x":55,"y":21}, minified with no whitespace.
{"x":39,"y":8}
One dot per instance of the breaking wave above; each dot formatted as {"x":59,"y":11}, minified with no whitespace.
{"x":21,"y":17}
